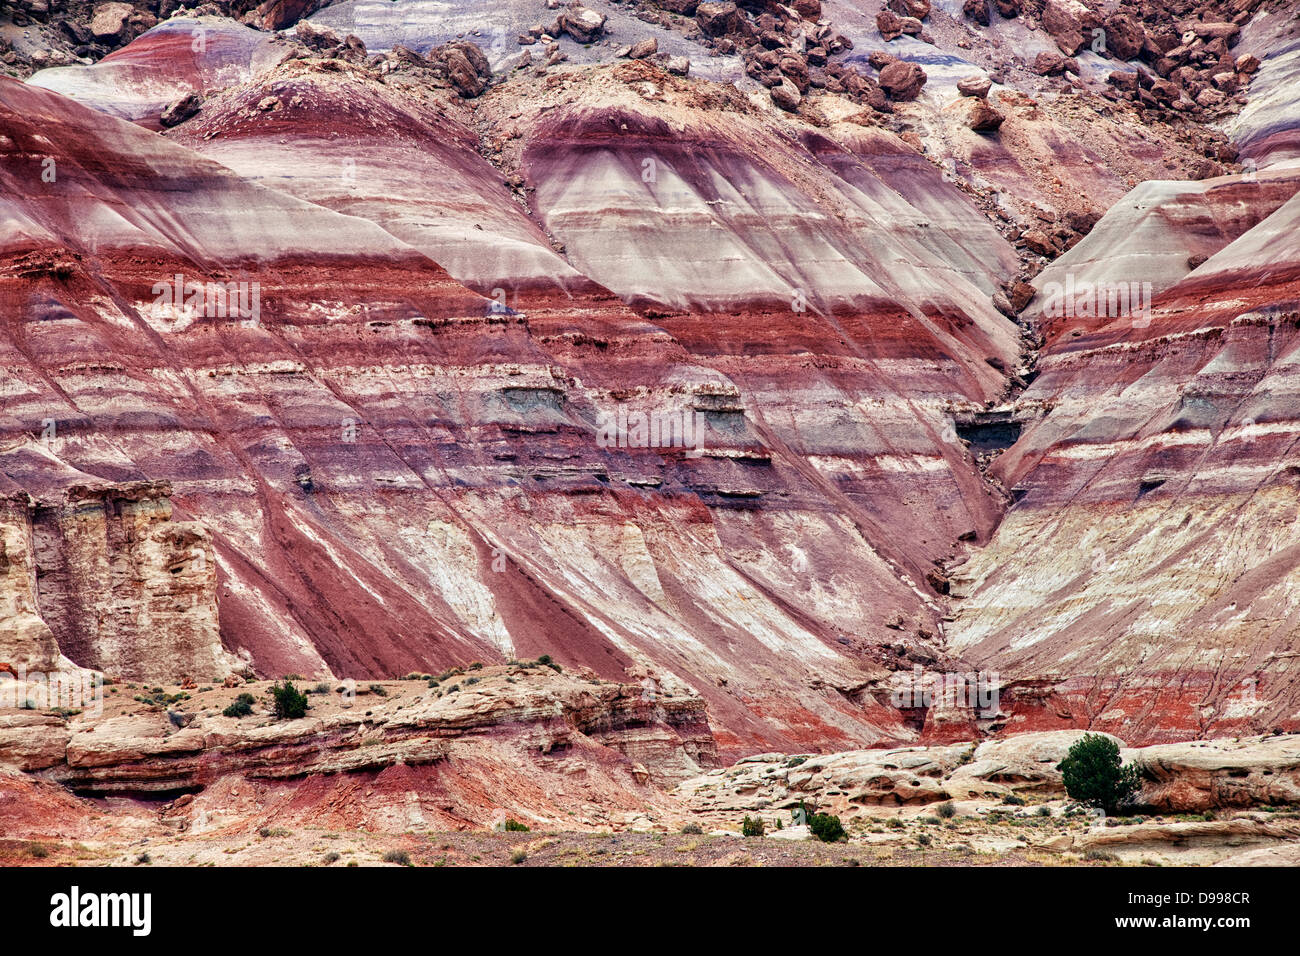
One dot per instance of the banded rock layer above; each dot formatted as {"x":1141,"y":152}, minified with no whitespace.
{"x":397,"y":473}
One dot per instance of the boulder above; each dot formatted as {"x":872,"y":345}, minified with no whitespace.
{"x":1048,"y":63}
{"x":178,"y":111}
{"x":790,"y":833}
{"x":910,"y":8}
{"x":786,"y":95}
{"x":1124,"y":80}
{"x":1021,"y":293}
{"x":109,"y":21}
{"x":1041,"y":243}
{"x":889,"y":24}
{"x":977,"y":10}
{"x":582,"y":23}
{"x":465,"y":66}
{"x":643,"y":49}
{"x":902,"y":80}
{"x":1124,"y":36}
{"x":974,"y":86}
{"x":1211,"y":31}
{"x":983,"y":117}
{"x":1066,"y":20}
{"x":718,"y":19}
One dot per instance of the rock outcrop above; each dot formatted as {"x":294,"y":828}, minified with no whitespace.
{"x":1187,"y":777}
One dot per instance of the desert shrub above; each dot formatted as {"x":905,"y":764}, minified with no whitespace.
{"x":1012,"y":800}
{"x":1094,"y":775}
{"x":1101,"y":856}
{"x":289,"y":703}
{"x":330,"y":857}
{"x":1044,"y":811}
{"x":693,"y":829}
{"x":946,"y":810}
{"x":894,"y":823}
{"x":242,"y":706}
{"x":514,"y":826}
{"x":379,"y":690}
{"x":827,"y":828}
{"x":400,"y":857}
{"x":923,"y":838}
{"x":518,"y":855}
{"x":752,"y":826}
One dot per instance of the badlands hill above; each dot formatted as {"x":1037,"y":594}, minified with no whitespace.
{"x":440,"y":247}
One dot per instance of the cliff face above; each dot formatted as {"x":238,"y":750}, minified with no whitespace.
{"x":363,"y":367}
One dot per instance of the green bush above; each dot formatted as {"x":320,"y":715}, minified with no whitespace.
{"x":693,"y":829}
{"x":824,"y":826}
{"x":752,"y":826}
{"x":1094,"y":775}
{"x":242,"y":707}
{"x":514,"y":826}
{"x":946,"y":810}
{"x":289,"y":703}
{"x":400,"y":857}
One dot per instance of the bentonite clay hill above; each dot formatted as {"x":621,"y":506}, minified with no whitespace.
{"x":763,"y":356}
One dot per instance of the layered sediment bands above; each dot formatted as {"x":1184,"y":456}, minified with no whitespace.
{"x":670,"y":206}
{"x":1145,"y":581}
{"x":1268,"y":128}
{"x":1162,"y":230}
{"x":308,"y":128}
{"x":179,"y":56}
{"x":395,"y":475}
